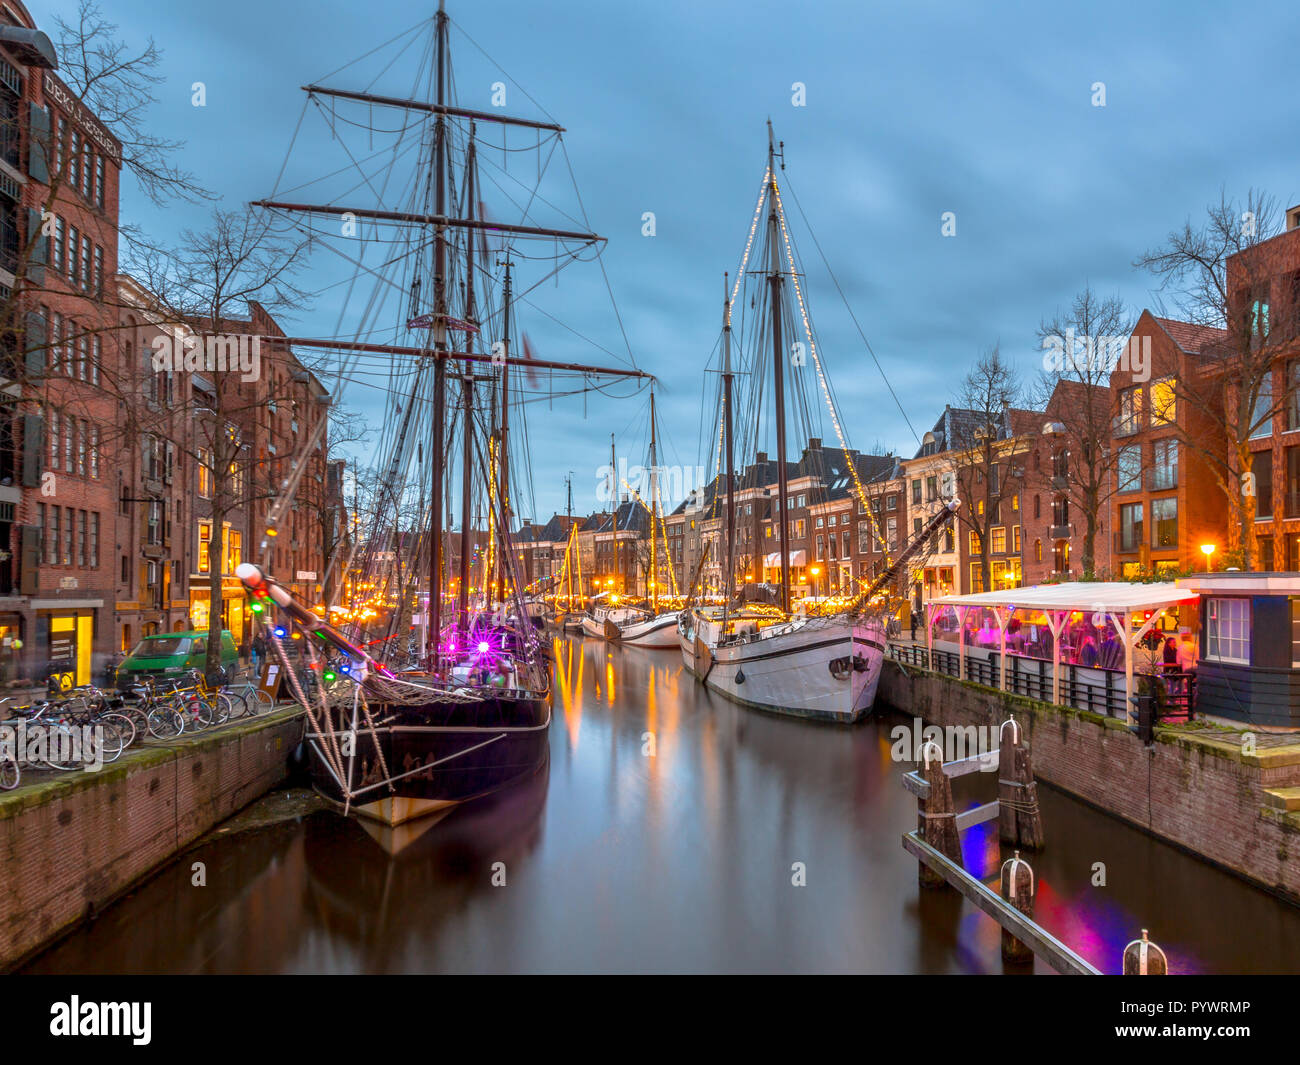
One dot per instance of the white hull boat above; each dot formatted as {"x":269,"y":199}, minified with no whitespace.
{"x":822,"y":668}
{"x":658,"y":631}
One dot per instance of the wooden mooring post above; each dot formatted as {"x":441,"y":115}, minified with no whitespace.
{"x":1020,"y":823}
{"x":936,"y":844}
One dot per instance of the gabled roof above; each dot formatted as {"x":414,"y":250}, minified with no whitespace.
{"x":1190,"y":337}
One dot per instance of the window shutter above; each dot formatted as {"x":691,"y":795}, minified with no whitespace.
{"x":36,"y":345}
{"x":33,"y":449}
{"x":29,"y":560}
{"x":39,"y":244}
{"x":38,"y":166}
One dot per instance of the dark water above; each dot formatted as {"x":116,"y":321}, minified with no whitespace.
{"x":681,"y":861}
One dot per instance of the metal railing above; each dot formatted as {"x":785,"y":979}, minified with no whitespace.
{"x":1032,"y":677}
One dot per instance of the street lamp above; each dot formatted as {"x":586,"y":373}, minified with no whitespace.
{"x":1207,"y":550}
{"x":816,"y":572}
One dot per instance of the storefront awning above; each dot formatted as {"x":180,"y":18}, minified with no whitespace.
{"x":773,"y":559}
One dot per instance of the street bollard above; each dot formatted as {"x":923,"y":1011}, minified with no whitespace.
{"x":1017,"y":885}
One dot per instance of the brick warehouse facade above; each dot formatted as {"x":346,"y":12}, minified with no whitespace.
{"x":101,"y":494}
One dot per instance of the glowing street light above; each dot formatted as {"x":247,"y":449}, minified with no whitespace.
{"x":1207,"y":550}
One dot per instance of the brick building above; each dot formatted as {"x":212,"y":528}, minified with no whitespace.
{"x":1166,"y":501}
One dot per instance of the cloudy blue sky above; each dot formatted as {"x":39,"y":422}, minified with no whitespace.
{"x":911,"y":110}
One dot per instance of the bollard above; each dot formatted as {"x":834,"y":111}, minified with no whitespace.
{"x":1017,"y":884}
{"x":1020,"y":822}
{"x":938,"y":820}
{"x":1144,"y":958}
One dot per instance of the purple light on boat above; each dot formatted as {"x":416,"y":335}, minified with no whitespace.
{"x":484,"y":647}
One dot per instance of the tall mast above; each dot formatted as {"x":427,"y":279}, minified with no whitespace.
{"x":467,"y":395}
{"x":726,"y":415}
{"x":503,"y":487}
{"x":654,"y":508}
{"x":439,"y":345}
{"x":778,"y":382}
{"x":613,"y":465}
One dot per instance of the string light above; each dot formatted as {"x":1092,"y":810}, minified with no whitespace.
{"x":821,"y":379}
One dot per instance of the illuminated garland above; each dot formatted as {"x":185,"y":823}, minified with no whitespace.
{"x":821,"y":378}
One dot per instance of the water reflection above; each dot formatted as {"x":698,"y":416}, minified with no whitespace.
{"x":664,"y":837}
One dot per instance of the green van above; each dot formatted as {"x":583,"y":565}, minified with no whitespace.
{"x":169,"y":654}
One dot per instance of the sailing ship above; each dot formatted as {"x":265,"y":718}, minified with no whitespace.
{"x":389,"y":744}
{"x":819,"y":666}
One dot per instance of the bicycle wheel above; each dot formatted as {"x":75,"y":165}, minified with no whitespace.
{"x":165,"y":722}
{"x":124,"y":724}
{"x":111,"y":741}
{"x":262,"y":700}
{"x":9,"y":775}
{"x":64,"y":747}
{"x":224,"y":707}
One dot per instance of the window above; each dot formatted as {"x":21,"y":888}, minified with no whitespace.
{"x":821,"y":552}
{"x":1261,"y":419}
{"x":891,"y":533}
{"x":1293,"y":394}
{"x":1061,"y":556}
{"x":94,"y":540}
{"x":205,"y":539}
{"x":1130,"y":468}
{"x":931,"y":488}
{"x":59,"y":243}
{"x":1130,"y":526}
{"x":1291,"y":504}
{"x":916,"y":490}
{"x":998,"y":540}
{"x":1015,"y":539}
{"x":155,"y":521}
{"x":1164,"y":522}
{"x":1164,"y":467}
{"x":52,"y":554}
{"x":1164,"y":407}
{"x":1038,"y":550}
{"x":74,"y":254}
{"x":864,"y":537}
{"x":1261,"y":465}
{"x":820,"y":522}
{"x":67,"y":536}
{"x":974,"y":543}
{"x":976,"y":577}
{"x":99,"y":181}
{"x":1129,"y":419}
{"x":74,"y":160}
{"x":1227,"y":630}
{"x":81,"y":539}
{"x":1295,"y":631}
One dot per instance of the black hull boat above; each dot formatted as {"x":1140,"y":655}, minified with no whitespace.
{"x":424,"y":758}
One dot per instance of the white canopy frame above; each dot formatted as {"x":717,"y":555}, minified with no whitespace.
{"x":1118,"y":602}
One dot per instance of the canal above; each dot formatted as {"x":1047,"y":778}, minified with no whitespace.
{"x":666,"y":835}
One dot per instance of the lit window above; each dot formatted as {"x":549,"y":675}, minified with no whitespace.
{"x":1164,"y":406}
{"x":1227,"y":630}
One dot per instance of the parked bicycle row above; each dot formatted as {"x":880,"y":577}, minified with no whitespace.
{"x":89,"y":726}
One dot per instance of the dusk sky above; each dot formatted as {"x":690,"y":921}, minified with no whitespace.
{"x":912,"y":110}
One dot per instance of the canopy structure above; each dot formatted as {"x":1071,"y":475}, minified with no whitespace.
{"x":1117,"y":603}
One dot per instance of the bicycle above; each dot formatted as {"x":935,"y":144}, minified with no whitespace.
{"x":253,"y":698}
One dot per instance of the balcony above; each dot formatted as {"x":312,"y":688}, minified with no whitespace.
{"x":1059,"y":482}
{"x":1160,"y":478}
{"x":1291,"y":503}
{"x":1060,"y":532}
{"x":1125,"y":425}
{"x":1129,"y":543}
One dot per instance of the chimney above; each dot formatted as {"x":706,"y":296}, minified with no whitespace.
{"x":814,"y":443}
{"x":760,"y":458}
{"x":1293,"y":218}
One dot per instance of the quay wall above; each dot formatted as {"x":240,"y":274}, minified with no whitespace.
{"x":71,"y":845}
{"x":1200,"y":793}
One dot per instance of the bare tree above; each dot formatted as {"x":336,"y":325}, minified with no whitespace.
{"x":210,"y":277}
{"x":1221,"y":277}
{"x":1082,"y":344}
{"x":117,"y":83}
{"x":983,"y":449}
